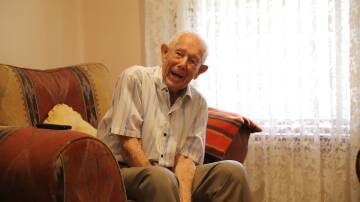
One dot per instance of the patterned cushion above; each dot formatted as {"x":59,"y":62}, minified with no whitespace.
{"x":224,"y":130}
{"x":27,"y":95}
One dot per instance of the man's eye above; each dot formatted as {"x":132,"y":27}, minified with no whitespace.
{"x":178,"y":53}
{"x":194,"y":62}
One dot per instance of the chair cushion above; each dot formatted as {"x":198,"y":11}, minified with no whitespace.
{"x":27,"y":95}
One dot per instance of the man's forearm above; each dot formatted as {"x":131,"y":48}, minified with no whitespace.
{"x":185,"y":171}
{"x":132,"y":152}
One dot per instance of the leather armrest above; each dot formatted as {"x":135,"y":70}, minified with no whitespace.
{"x":31,"y":158}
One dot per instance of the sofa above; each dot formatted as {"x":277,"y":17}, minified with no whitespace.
{"x":40,"y":164}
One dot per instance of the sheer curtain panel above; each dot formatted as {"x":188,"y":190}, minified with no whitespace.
{"x":291,"y":65}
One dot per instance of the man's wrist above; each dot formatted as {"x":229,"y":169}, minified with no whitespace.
{"x":185,"y":196}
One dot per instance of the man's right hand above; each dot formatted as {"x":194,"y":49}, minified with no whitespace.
{"x":132,"y":152}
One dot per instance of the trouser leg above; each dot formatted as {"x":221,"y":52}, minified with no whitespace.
{"x":149,"y":184}
{"x":221,"y":181}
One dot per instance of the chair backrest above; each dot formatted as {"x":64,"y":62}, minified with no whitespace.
{"x":227,"y":136}
{"x":27,"y":95}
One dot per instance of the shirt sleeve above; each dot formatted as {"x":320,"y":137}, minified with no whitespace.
{"x":127,"y":114}
{"x":194,"y":146}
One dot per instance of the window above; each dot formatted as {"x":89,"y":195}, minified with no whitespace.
{"x":282,"y":63}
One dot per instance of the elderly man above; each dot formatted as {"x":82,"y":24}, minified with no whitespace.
{"x":156,"y":129}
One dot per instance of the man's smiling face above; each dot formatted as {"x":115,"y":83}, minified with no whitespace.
{"x":181,"y":61}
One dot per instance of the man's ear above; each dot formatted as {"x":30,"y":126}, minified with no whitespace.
{"x":164,"y":50}
{"x":202,"y":69}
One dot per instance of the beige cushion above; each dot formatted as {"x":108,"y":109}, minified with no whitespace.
{"x":62,"y":114}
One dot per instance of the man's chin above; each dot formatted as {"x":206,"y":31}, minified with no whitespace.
{"x":175,"y":86}
{"x":175,"y":89}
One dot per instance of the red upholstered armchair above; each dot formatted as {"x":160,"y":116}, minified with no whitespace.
{"x":57,"y":165}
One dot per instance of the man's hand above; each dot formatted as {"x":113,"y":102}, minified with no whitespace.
{"x":185,"y":171}
{"x":132,"y":152}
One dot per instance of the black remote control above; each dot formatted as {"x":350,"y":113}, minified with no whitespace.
{"x":53,"y":126}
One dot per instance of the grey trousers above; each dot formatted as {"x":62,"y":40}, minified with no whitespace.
{"x":223,"y":181}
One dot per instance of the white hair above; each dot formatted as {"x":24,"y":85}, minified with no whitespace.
{"x":175,"y":38}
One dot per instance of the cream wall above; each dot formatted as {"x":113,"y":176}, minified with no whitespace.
{"x":48,"y":33}
{"x":114,"y":33}
{"x":40,"y":33}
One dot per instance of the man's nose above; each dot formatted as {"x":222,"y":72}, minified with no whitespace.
{"x":183,"y":61}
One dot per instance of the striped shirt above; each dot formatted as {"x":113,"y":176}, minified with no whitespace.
{"x":141,"y":109}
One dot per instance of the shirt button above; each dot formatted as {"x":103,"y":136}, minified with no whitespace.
{"x":165,"y":134}
{"x":162,"y":155}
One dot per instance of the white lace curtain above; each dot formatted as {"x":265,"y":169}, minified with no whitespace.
{"x":293,"y":67}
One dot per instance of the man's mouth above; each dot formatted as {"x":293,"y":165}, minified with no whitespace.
{"x":177,"y":75}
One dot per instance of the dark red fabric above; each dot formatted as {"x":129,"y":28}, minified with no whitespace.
{"x":43,"y":89}
{"x":56,"y":86}
{"x":227,"y":135}
{"x":232,"y":121}
{"x":28,"y":167}
{"x":88,"y":162}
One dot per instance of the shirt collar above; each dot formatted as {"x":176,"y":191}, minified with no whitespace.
{"x":161,"y":84}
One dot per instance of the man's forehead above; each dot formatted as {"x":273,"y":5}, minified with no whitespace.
{"x":191,"y":39}
{"x":190,"y":44}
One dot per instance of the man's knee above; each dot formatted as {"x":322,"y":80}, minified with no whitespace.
{"x":159,"y":177}
{"x":233,"y":169}
{"x":222,"y":181}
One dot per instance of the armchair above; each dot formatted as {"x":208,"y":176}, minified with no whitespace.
{"x":53,"y":165}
